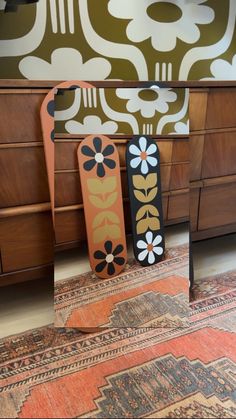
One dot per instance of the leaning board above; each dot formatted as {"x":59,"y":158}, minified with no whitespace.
{"x":143,"y":169}
{"x":103,"y":208}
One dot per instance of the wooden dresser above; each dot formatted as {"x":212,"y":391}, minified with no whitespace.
{"x":26,"y":236}
{"x":213,"y":162}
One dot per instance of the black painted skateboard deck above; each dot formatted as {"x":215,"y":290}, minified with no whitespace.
{"x":143,"y":170}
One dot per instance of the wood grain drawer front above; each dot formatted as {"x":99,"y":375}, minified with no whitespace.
{"x":196,"y":153}
{"x":217,"y":206}
{"x":23,"y":176}
{"x":194,"y":207}
{"x":221,"y":108}
{"x":26,"y":241}
{"x":197,"y":110}
{"x":70,"y":225}
{"x":66,"y":153}
{"x":178,"y":206}
{"x":68,"y":186}
{"x":219,"y":155}
{"x":181,"y":151}
{"x":20,"y":117}
{"x":179,"y":176}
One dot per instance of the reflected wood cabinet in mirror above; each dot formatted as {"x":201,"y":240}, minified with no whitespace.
{"x":213,"y":162}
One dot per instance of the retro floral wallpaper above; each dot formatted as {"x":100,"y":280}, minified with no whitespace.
{"x":122,"y":111}
{"x":119,"y":39}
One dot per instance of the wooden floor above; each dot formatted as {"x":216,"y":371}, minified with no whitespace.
{"x":214,"y":256}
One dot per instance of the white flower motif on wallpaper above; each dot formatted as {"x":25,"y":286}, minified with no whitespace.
{"x":150,"y":247}
{"x":143,"y":155}
{"x":136,"y":102}
{"x":92,"y":124}
{"x":223,"y":70}
{"x":66,"y":64}
{"x":181,"y":128}
{"x":144,"y":23}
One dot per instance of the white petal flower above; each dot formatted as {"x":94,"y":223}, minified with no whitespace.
{"x":147,"y":20}
{"x":143,"y":155}
{"x":150,"y":248}
{"x":92,"y":124}
{"x":181,"y":128}
{"x":66,"y":64}
{"x":147,"y":101}
{"x":223,"y":70}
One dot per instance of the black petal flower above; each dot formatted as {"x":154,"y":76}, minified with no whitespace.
{"x":109,"y":258}
{"x":99,"y":157}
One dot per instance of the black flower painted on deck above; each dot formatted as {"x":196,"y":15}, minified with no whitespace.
{"x":99,"y":157}
{"x":110,"y":258}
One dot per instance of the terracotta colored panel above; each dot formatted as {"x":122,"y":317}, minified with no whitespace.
{"x":217,"y":206}
{"x":103,"y":207}
{"x":221,"y":108}
{"x":23,"y":176}
{"x":47,"y":122}
{"x":219,"y":156}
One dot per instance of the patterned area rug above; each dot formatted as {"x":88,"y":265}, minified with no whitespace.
{"x":156,"y":296}
{"x":137,"y":372}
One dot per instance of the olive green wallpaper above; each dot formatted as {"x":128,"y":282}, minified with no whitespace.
{"x":119,"y":39}
{"x":122,"y":111}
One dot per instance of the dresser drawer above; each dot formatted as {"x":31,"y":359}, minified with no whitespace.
{"x":181,"y":151}
{"x":197,"y":109}
{"x":26,"y":241}
{"x":219,"y":154}
{"x":221,"y":108}
{"x":68,"y":186}
{"x":70,"y":224}
{"x":179,"y":176}
{"x":20,"y":116}
{"x":217,"y":206}
{"x":66,"y":153}
{"x":194,"y":207}
{"x":196,"y":153}
{"x":178,"y":206}
{"x":23,"y":175}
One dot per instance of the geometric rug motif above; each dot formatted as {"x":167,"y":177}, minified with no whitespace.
{"x":126,"y":372}
{"x":154,"y":296}
{"x":166,"y":381}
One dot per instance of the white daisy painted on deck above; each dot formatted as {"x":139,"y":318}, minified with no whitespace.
{"x":150,"y":247}
{"x":143,"y":155}
{"x":157,"y":102}
{"x":148,"y":20}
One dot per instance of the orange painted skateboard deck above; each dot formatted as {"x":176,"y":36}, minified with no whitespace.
{"x":47,"y":122}
{"x":103,"y":207}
